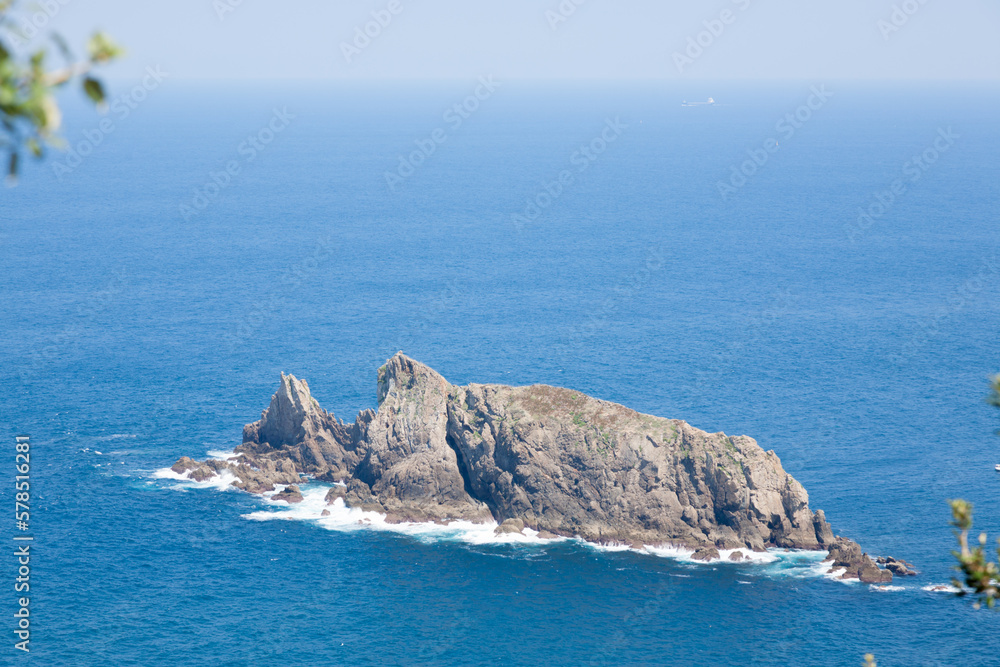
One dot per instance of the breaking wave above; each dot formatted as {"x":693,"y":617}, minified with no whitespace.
{"x":222,"y":482}
{"x":783,"y":563}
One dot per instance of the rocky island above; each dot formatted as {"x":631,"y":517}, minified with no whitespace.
{"x":539,"y":457}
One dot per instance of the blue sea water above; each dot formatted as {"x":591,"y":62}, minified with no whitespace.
{"x":142,"y":331}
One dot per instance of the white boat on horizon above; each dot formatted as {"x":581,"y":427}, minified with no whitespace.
{"x":710,"y":102}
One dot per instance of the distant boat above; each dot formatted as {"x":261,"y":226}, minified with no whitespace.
{"x":997,"y":467}
{"x":685,"y":103}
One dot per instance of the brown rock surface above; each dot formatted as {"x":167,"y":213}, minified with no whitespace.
{"x":509,"y":526}
{"x":847,"y":554}
{"x":184,"y":464}
{"x":706,"y":554}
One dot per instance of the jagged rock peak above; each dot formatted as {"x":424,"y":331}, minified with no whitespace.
{"x":291,"y":414}
{"x":401,"y":373}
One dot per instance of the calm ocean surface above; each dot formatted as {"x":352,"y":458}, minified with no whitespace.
{"x":859,"y":354}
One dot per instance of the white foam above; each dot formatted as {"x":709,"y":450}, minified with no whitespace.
{"x":885,"y":589}
{"x":168,"y":473}
{"x":223,"y":454}
{"x":785,"y":562}
{"x":684,"y":554}
{"x":348,"y":519}
{"x":794,"y":563}
{"x":222,"y":482}
{"x":941,"y":588}
{"x":612,"y":548}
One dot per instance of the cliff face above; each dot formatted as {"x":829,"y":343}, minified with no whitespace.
{"x":297,"y":428}
{"x":552,"y":458}
{"x":570,"y":464}
{"x":409,"y":465}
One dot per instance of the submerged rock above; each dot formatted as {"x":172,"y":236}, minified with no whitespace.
{"x":706,"y":554}
{"x":290,"y":494}
{"x":897,"y":566}
{"x":546,"y":458}
{"x":736,"y":556}
{"x":334,"y":493}
{"x":509,"y":526}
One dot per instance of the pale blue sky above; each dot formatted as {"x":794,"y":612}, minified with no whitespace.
{"x":616,"y":39}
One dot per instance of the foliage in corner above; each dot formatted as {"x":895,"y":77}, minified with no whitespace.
{"x":29,"y":115}
{"x":994,"y":397}
{"x":981,"y":576}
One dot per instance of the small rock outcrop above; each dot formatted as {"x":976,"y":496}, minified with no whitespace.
{"x":202,"y":473}
{"x":897,"y":566}
{"x":290,"y":494}
{"x":510,"y":526}
{"x":545,"y":458}
{"x":706,"y":554}
{"x":184,"y":464}
{"x":847,"y":554}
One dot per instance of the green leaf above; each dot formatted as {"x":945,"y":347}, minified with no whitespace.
{"x":94,"y":89}
{"x":994,"y":397}
{"x":102,"y":48}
